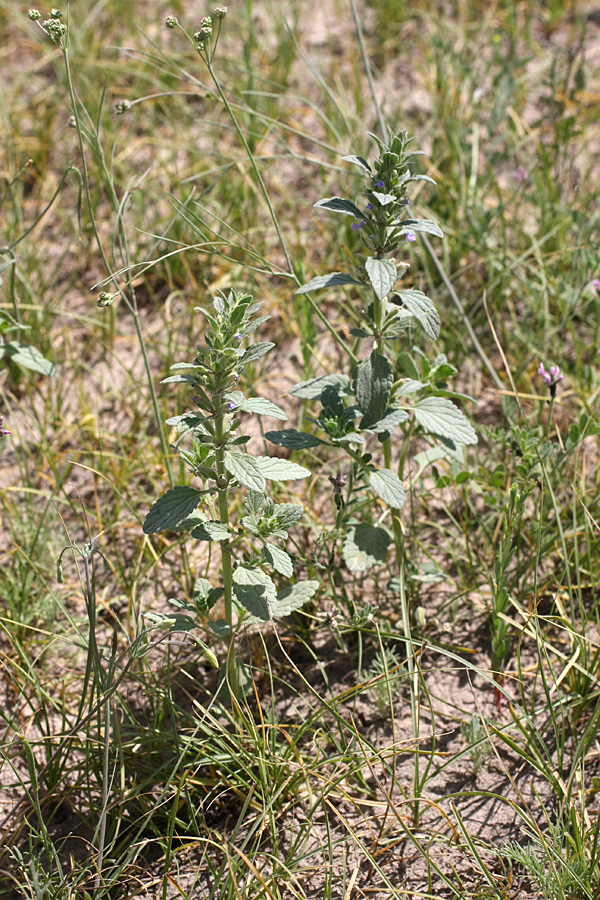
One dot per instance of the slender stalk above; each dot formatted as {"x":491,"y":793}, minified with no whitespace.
{"x":226,"y":558}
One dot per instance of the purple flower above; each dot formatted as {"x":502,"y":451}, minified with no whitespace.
{"x":3,"y":431}
{"x":411,"y":236}
{"x":369,"y":206}
{"x":596,"y":283}
{"x":356,"y":226}
{"x":519,"y":173}
{"x":231,"y":405}
{"x":407,"y":202}
{"x":379,"y":184}
{"x":551,"y":378}
{"x":238,"y":337}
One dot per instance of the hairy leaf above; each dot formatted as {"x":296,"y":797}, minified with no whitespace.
{"x":440,"y":416}
{"x":276,"y":469}
{"x":255,"y":591}
{"x":312,"y":389}
{"x":382,"y":275}
{"x":373,"y":380}
{"x":170,"y":509}
{"x":279,"y":559}
{"x":422,"y":308}
{"x":358,"y":161}
{"x":292,"y":439}
{"x":331,"y":280}
{"x":423,"y":225}
{"x":294,"y":597}
{"x":263,"y":407}
{"x":388,"y":486}
{"x":365,"y":546}
{"x":245,"y":469}
{"x":255,"y":352}
{"x":338,"y":204}
{"x":28,"y":357}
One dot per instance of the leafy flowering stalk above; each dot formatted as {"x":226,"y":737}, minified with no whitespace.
{"x":550,"y":379}
{"x":386,"y":389}
{"x":215,"y":453}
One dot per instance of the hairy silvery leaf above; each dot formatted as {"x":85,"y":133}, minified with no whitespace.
{"x":312,"y":389}
{"x":349,"y":439}
{"x":28,"y":357}
{"x":422,"y":308}
{"x":263,"y":407}
{"x":358,"y":161}
{"x":338,"y":204}
{"x":174,"y":622}
{"x":254,"y":502}
{"x":245,"y":469}
{"x":179,"y":379}
{"x":440,"y":416}
{"x":410,"y":386}
{"x":276,"y":469}
{"x":388,"y":423}
{"x":424,"y":225}
{"x":170,"y":509}
{"x":292,"y":439}
{"x":255,"y":352}
{"x":279,"y":559}
{"x":373,"y":380}
{"x":294,"y":597}
{"x":331,"y":280}
{"x":365,"y":546}
{"x":383,"y":199}
{"x":211,"y":531}
{"x":205,"y":595}
{"x":382,"y":275}
{"x":287,"y":514}
{"x":388,"y":486}
{"x":255,"y":591}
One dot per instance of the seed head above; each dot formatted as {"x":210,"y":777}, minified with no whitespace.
{"x":105,"y":299}
{"x":220,"y":12}
{"x":34,"y":15}
{"x":122,"y":106}
{"x":55,"y":14}
{"x":171,"y":22}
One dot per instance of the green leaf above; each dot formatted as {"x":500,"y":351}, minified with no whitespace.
{"x":7,"y":323}
{"x":331,"y":280}
{"x":423,"y":225}
{"x":263,"y":407}
{"x":365,"y":546}
{"x":255,"y":591}
{"x":389,"y":422}
{"x":338,"y":204}
{"x":294,"y":597}
{"x":382,"y":275}
{"x":287,"y":514}
{"x":255,"y":352}
{"x":245,"y":469}
{"x":276,"y":469}
{"x":170,"y":509}
{"x":358,"y":161}
{"x":211,"y":531}
{"x":279,"y":559}
{"x":440,"y":416}
{"x":312,"y":389}
{"x":292,"y":439}
{"x":28,"y":357}
{"x":373,"y":380}
{"x":174,"y":622}
{"x":388,"y":487}
{"x":422,"y":308}
{"x":205,"y":595}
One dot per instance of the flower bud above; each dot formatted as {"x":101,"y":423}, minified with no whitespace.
{"x":122,"y":106}
{"x":220,"y":12}
{"x":171,"y":22}
{"x":105,"y":299}
{"x":55,"y":14}
{"x":34,"y":15}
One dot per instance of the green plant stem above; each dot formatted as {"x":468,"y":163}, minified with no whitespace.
{"x":226,"y":560}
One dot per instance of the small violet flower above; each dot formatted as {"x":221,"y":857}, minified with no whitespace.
{"x":3,"y":431}
{"x":379,"y":184}
{"x":596,"y":283}
{"x":356,"y":226}
{"x":411,"y":236}
{"x":519,"y":173}
{"x":551,"y":378}
{"x":369,"y":206}
{"x":231,"y":405}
